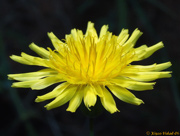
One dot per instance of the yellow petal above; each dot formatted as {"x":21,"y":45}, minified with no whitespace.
{"x":108,"y":101}
{"x":144,"y":52}
{"x":132,"y":84}
{"x":132,"y":40}
{"x":74,"y":34}
{"x":76,"y":100}
{"x":147,"y":76}
{"x":63,"y":98}
{"x":20,"y":60}
{"x":134,"y":36}
{"x":58,"y":44}
{"x":45,"y":82}
{"x":148,"y":68}
{"x":89,"y":96}
{"x":162,"y":66}
{"x":91,"y":31}
{"x":98,"y":90}
{"x":34,"y":60}
{"x":141,"y":50}
{"x":30,"y":60}
{"x":103,"y":31}
{"x":54,"y":93}
{"x":24,"y":84}
{"x":125,"y":95}
{"x":32,"y":75}
{"x":123,"y":36}
{"x":39,"y":50}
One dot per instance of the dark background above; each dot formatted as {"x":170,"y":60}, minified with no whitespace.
{"x":26,"y":21}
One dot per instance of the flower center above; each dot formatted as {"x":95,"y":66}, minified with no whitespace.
{"x":87,"y":60}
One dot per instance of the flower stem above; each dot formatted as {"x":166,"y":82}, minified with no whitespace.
{"x":91,"y":126}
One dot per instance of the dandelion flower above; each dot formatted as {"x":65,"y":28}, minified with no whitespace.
{"x":88,"y":66}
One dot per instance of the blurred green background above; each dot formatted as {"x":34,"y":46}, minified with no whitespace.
{"x":26,"y":21}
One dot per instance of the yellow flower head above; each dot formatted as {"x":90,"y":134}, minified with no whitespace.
{"x":88,"y":66}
